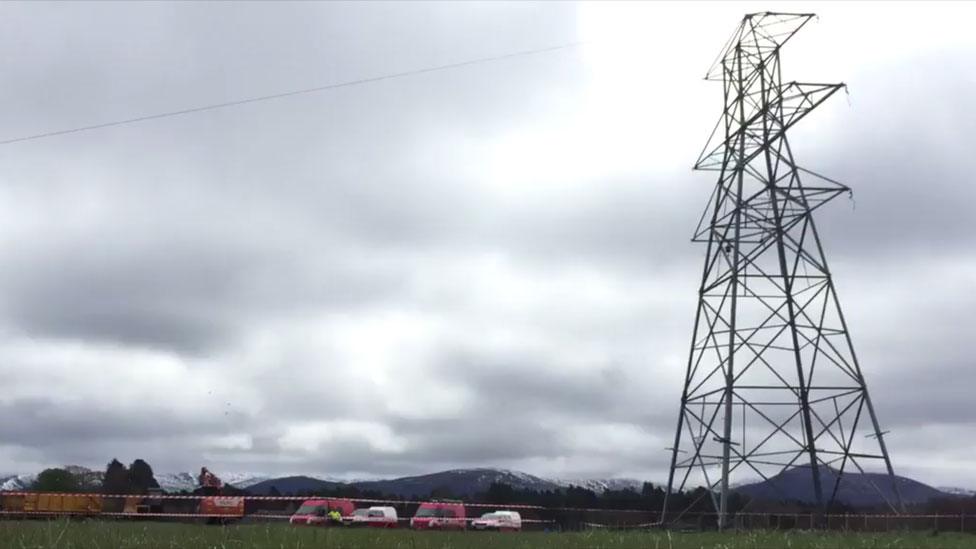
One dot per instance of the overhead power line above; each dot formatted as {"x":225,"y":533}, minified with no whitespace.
{"x":282,"y":95}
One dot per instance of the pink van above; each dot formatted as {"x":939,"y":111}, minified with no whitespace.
{"x":439,"y":515}
{"x":316,"y":511}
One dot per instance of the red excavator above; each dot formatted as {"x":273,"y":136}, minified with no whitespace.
{"x":206,"y":479}
{"x":217,"y":505}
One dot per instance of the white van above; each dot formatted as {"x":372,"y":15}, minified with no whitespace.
{"x":381,"y":517}
{"x":503,"y":521}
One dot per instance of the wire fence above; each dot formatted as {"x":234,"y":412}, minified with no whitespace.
{"x":853,"y":522}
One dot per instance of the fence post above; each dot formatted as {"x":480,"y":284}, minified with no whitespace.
{"x":962,"y":522}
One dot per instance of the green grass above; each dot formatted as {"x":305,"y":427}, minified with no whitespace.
{"x":63,"y":534}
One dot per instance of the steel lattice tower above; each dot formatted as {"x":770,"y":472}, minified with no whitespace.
{"x":772,"y":382}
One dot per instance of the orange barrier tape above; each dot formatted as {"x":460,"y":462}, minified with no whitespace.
{"x":303,"y":498}
{"x":148,"y":515}
{"x":622,"y":527}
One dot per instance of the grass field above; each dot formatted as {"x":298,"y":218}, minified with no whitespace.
{"x":147,"y":535}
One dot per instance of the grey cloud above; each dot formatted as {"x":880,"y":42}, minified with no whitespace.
{"x":46,"y":423}
{"x":522,"y":387}
{"x":903,"y":162}
{"x":189,"y":297}
{"x":244,"y":241}
{"x":480,"y":437}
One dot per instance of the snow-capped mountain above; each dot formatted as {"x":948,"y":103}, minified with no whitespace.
{"x":170,"y":482}
{"x":244,"y":480}
{"x":955,"y":491}
{"x":462,"y":481}
{"x":184,"y":481}
{"x":457,"y":482}
{"x":600,"y":486}
{"x":18,"y":482}
{"x":86,"y":478}
{"x":176,"y":482}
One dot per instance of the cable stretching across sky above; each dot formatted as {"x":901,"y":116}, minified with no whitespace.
{"x":282,"y":95}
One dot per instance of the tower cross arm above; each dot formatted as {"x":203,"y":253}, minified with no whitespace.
{"x":790,"y":104}
{"x":758,"y":32}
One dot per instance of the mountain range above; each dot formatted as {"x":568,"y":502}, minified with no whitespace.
{"x":794,"y":485}
{"x":461,"y":482}
{"x":458,"y":482}
{"x":170,"y":482}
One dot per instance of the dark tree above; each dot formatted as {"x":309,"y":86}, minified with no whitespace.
{"x":442,"y":492}
{"x":56,"y":480}
{"x":652,"y":496}
{"x":140,"y":477}
{"x":116,"y":479}
{"x":500,"y":492}
{"x":577,"y":496}
{"x":620,"y":499}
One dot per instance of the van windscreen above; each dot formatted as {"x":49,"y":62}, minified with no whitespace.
{"x":310,"y":510}
{"x":428,"y":512}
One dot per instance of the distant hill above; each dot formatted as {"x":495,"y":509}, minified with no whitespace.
{"x":292,"y":485}
{"x":457,"y":482}
{"x":856,"y":489}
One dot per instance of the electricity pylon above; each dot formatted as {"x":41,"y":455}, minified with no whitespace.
{"x":770,"y":347}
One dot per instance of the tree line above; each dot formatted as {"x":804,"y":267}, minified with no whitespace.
{"x":649,"y":498}
{"x":137,"y":478}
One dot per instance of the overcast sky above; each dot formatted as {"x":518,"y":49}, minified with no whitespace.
{"x":484,"y":266}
